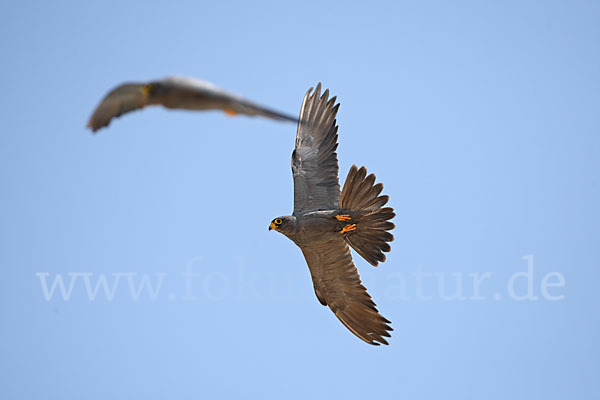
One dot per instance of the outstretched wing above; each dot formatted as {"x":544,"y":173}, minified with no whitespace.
{"x":234,"y":104}
{"x":177,"y":93}
{"x":314,"y":160}
{"x":122,"y":99}
{"x":337,"y":284}
{"x":194,"y":94}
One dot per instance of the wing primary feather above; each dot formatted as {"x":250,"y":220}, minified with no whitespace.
{"x":314,"y":160}
{"x":337,"y":283}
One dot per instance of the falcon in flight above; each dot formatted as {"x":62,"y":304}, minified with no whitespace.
{"x":326,"y":222}
{"x":175,"y":92}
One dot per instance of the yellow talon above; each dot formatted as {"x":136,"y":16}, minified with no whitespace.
{"x":348,"y":228}
{"x":230,"y":112}
{"x":344,"y":217}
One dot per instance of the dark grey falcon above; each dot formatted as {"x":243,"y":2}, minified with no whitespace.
{"x":175,"y":92}
{"x":326,"y":222}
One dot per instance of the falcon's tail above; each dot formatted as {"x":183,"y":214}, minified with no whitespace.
{"x":360,"y":198}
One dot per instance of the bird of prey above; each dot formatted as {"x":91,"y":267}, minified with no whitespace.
{"x":326,"y":222}
{"x":175,"y":92}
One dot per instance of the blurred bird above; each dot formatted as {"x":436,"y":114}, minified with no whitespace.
{"x":179,"y":93}
{"x":326,"y":221}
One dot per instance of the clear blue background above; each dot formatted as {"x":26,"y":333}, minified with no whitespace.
{"x":481,"y":118}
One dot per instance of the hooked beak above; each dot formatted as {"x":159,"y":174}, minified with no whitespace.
{"x":272,"y":226}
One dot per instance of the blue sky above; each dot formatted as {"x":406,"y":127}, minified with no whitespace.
{"x":481,"y":119}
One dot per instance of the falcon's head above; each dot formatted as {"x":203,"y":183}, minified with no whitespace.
{"x":284,"y":225}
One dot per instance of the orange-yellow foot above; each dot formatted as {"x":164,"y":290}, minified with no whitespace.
{"x":344,"y":217}
{"x":230,"y":112}
{"x":348,"y":228}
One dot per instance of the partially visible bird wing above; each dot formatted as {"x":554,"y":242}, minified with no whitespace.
{"x":238,"y":105}
{"x":337,"y":284}
{"x":176,"y":93}
{"x":314,"y":160}
{"x":122,"y":99}
{"x":233,"y":104}
{"x":194,"y":94}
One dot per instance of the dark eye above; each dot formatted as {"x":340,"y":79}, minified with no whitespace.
{"x":277,"y":221}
